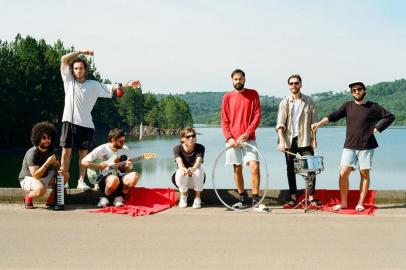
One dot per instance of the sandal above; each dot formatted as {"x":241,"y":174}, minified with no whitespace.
{"x":359,"y":208}
{"x":315,"y":202}
{"x":291,"y":204}
{"x":338,"y":207}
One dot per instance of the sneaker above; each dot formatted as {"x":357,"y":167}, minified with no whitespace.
{"x":255,"y":201}
{"x":51,"y":200}
{"x":28,"y":203}
{"x":183,"y":202}
{"x":197,"y":203}
{"x":82,"y":186}
{"x":360,"y":208}
{"x":103,"y":202}
{"x":291,"y":204}
{"x":118,"y":201}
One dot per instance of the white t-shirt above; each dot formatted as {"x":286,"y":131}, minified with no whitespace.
{"x":295,"y":117}
{"x":81,"y":97}
{"x":104,"y":152}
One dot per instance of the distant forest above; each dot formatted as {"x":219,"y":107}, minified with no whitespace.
{"x":205,"y":106}
{"x":31,"y":91}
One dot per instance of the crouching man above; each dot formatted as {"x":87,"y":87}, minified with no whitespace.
{"x":40,"y":165}
{"x":115,"y":184}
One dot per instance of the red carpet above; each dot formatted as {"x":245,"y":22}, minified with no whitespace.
{"x":329,"y":198}
{"x":143,"y":202}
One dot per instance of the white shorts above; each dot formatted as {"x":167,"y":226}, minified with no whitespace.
{"x":240,"y":155}
{"x":28,"y":181}
{"x":357,"y":159}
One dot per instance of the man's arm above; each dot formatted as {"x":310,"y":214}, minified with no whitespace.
{"x":69,"y":56}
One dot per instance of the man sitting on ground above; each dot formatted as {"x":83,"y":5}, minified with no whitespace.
{"x":113,"y":185}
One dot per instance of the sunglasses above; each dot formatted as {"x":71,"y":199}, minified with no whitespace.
{"x":121,"y":141}
{"x":190,"y":136}
{"x":294,"y":83}
{"x":46,"y":138}
{"x":358,"y":89}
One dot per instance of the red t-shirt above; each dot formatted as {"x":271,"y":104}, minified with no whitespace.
{"x":240,"y":113}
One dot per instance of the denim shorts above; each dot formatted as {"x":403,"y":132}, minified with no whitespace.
{"x":240,"y":155}
{"x":357,"y":159}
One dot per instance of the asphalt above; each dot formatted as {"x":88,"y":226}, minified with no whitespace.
{"x":207,"y":238}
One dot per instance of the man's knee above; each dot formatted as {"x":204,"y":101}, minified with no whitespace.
{"x":254,"y":166}
{"x":345,"y":171}
{"x":112,"y":183}
{"x":364,"y":173}
{"x":131,"y":179}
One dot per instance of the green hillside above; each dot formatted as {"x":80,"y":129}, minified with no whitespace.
{"x":205,"y":106}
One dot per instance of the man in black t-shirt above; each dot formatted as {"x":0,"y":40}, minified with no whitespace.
{"x":39,"y":164}
{"x":364,"y":118}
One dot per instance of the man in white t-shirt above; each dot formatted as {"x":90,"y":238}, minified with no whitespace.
{"x":80,"y":97}
{"x":114,"y":185}
{"x":295,"y":115}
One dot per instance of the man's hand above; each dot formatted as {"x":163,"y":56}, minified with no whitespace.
{"x":134,"y":84}
{"x":102,"y":166}
{"x":86,"y":52}
{"x":129,"y":164}
{"x":243,"y":138}
{"x":231,"y":142}
{"x":281,"y":146}
{"x":51,"y":160}
{"x":315,"y":126}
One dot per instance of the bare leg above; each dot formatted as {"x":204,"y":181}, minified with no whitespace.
{"x":82,"y":169}
{"x":129,"y":181}
{"x":238,"y":178}
{"x":255,"y":176}
{"x":344,"y":184}
{"x":112,"y":183}
{"x":66,"y":155}
{"x":363,"y":185}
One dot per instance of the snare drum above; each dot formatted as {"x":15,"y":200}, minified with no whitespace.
{"x":306,"y":164}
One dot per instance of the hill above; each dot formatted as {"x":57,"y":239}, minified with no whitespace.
{"x":205,"y":106}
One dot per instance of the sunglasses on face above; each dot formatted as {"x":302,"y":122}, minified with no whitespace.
{"x":45,"y":138}
{"x":190,"y":136}
{"x":121,"y":141}
{"x":358,"y":89}
{"x":294,"y":83}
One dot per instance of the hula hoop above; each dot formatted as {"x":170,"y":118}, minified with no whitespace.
{"x":266,"y":182}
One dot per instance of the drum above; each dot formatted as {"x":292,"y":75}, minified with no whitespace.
{"x":306,"y":164}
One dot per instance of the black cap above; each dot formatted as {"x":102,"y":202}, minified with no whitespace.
{"x":357,"y":83}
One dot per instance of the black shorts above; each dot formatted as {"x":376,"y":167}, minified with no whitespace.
{"x":117,"y":192}
{"x":74,"y":136}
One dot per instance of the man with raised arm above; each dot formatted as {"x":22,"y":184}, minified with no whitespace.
{"x":80,"y":97}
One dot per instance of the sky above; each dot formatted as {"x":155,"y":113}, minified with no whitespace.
{"x":178,"y":46}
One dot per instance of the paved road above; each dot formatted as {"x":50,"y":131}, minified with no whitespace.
{"x":210,"y":238}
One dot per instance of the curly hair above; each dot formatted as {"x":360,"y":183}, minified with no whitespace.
{"x":40,"y":129}
{"x":78,"y":60}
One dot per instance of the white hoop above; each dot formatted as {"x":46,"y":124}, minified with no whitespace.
{"x":266,"y":182}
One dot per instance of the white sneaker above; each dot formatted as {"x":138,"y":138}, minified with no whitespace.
{"x":183,"y":202}
{"x":82,"y":186}
{"x":197,"y":203}
{"x":103,"y":202}
{"x":118,"y":201}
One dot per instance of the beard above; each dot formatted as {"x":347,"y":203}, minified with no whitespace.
{"x":360,"y":98}
{"x":118,"y":146}
{"x":238,"y":86}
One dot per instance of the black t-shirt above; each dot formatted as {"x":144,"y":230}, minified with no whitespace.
{"x":34,"y":157}
{"x":189,"y":159}
{"x":362,"y":119}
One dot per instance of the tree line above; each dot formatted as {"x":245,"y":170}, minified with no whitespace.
{"x":31,"y":91}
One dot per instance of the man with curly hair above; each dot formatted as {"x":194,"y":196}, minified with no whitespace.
{"x":39,"y":164}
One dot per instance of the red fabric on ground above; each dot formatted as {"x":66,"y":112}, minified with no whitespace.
{"x":329,"y":198}
{"x":143,"y":202}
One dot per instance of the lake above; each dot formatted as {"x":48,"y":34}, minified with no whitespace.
{"x":389,"y":163}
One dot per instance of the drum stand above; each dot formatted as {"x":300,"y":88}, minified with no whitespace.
{"x":305,"y":203}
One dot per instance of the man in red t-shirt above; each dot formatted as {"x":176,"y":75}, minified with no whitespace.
{"x":240,"y":116}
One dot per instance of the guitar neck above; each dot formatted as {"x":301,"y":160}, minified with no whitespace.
{"x":121,"y":163}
